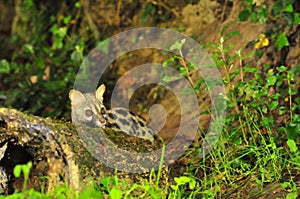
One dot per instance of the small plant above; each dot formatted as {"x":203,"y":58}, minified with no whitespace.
{"x":25,"y":169}
{"x":111,"y":185}
{"x":292,"y":186}
{"x":180,"y":182}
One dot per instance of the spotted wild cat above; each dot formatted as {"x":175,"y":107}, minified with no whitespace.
{"x":88,"y":109}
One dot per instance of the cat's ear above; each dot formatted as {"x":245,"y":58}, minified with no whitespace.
{"x":76,"y":97}
{"x":99,"y":92}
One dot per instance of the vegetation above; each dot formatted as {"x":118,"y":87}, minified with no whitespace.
{"x":258,"y":150}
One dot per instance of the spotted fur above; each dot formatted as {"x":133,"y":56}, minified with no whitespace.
{"x":88,"y":109}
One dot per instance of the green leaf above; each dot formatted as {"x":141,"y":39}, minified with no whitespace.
{"x":115,"y":193}
{"x":61,"y":32}
{"x":28,"y":48}
{"x":296,"y":19}
{"x":77,"y":4}
{"x":40,"y":62}
{"x":104,"y":45}
{"x":183,"y":71}
{"x":282,"y":68}
{"x":250,"y":70}
{"x":288,"y":8}
{"x":178,"y":45}
{"x":4,"y":66}
{"x":166,"y":78}
{"x":54,"y":28}
{"x":67,"y":19}
{"x":26,"y":168}
{"x":282,"y":110}
{"x":292,"y":145}
{"x":259,"y":53}
{"x":267,"y":67}
{"x":192,"y":184}
{"x":182,"y":180}
{"x":174,"y":187}
{"x":277,"y":7}
{"x":254,"y":17}
{"x":292,"y":195}
{"x":17,"y":171}
{"x":293,"y":130}
{"x":286,"y":185}
{"x":244,"y":15}
{"x":237,"y":141}
{"x":105,"y":182}
{"x":274,"y":105}
{"x":263,"y":14}
{"x":271,"y":81}
{"x":76,"y":56}
{"x":188,"y":91}
{"x":282,"y":41}
{"x":164,"y":63}
{"x":232,"y":33}
{"x":267,"y":121}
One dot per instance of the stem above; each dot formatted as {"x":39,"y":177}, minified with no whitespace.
{"x":186,"y":69}
{"x":160,"y":162}
{"x":290,"y":95}
{"x":182,"y":61}
{"x":227,"y":72}
{"x":241,"y":71}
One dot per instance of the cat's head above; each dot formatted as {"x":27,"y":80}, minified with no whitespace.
{"x":88,"y":108}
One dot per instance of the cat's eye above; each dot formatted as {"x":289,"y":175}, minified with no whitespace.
{"x":88,"y":113}
{"x":103,"y":111}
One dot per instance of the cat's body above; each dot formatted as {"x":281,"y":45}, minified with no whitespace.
{"x":88,"y":109}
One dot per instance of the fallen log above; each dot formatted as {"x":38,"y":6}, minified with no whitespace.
{"x":56,"y":152}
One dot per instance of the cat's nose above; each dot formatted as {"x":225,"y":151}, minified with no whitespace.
{"x":102,"y":120}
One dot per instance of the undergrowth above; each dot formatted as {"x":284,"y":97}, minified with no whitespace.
{"x":254,"y":149}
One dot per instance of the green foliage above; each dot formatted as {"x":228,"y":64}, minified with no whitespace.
{"x":180,"y":182}
{"x":43,"y":69}
{"x":293,"y":187}
{"x":281,"y":41}
{"x":23,"y":168}
{"x":256,"y":14}
{"x":4,"y":67}
{"x":281,"y":9}
{"x":282,"y":14}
